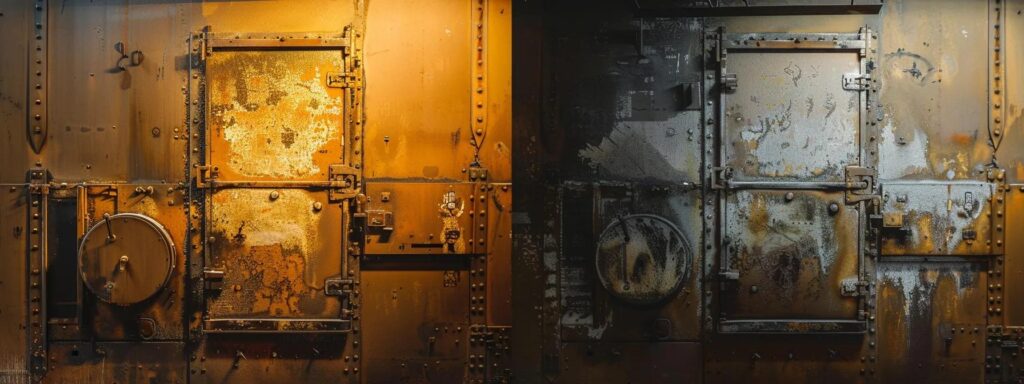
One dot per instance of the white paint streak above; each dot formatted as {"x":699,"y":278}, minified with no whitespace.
{"x":897,"y":160}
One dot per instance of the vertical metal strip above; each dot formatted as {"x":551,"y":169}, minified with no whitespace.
{"x":994,"y":371}
{"x":195,"y":251}
{"x":37,"y":196}
{"x":37,"y":78}
{"x":868,"y":235}
{"x":353,"y":60}
{"x":997,"y":18}
{"x":710,"y":198}
{"x":478,"y":331}
{"x":479,"y":70}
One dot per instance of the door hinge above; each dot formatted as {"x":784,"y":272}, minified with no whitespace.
{"x":854,"y":287}
{"x":856,"y":81}
{"x":341,"y":80}
{"x":860,"y":183}
{"x":344,"y":182}
{"x":205,"y":174}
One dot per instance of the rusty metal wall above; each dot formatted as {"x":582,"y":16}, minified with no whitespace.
{"x":848,"y":223}
{"x":334,"y":176}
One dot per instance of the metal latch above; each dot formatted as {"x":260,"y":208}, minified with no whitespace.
{"x":213,"y":278}
{"x":856,"y":81}
{"x":343,"y":180}
{"x":720,"y":177}
{"x":892,"y":219}
{"x":341,"y":288}
{"x":205,"y":174}
{"x":729,"y":82}
{"x":380,"y":219}
{"x":860,"y":184}
{"x":477,"y":173}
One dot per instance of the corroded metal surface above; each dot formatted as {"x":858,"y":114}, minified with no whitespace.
{"x":851,"y":166}
{"x":272,"y":114}
{"x":244,"y":129}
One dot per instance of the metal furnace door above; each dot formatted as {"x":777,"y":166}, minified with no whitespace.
{"x":275,"y":172}
{"x":791,"y":151}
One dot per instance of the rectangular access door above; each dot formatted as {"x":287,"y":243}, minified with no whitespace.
{"x":278,"y":180}
{"x":792,"y":180}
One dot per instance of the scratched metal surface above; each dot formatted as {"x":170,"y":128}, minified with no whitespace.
{"x":791,"y":255}
{"x":598,"y":93}
{"x":436,"y":68}
{"x":789,"y":118}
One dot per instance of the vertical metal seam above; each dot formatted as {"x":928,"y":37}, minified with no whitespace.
{"x":37,"y":124}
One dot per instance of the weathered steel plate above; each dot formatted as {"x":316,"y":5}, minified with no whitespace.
{"x":272,"y":116}
{"x":790,"y":117}
{"x":937,"y":218}
{"x":275,"y":253}
{"x":792,"y":255}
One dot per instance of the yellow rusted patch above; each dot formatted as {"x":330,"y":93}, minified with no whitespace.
{"x":273,"y":112}
{"x":251,"y":217}
{"x":924,"y":234}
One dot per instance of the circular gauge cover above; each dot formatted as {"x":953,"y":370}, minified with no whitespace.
{"x":126,"y":258}
{"x":642,"y":259}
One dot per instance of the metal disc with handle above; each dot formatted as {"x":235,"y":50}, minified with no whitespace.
{"x":126,"y":258}
{"x":642,"y":259}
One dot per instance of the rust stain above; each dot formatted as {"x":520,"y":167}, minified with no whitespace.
{"x":274,"y":111}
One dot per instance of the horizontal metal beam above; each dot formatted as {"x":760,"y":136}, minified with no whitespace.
{"x":289,"y":325}
{"x":796,"y":185}
{"x":242,"y":43}
{"x":793,"y":326}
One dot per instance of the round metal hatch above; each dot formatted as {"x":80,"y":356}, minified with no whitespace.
{"x":642,"y":259}
{"x":126,"y":258}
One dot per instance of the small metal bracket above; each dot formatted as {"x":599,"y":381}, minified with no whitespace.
{"x":343,"y":289}
{"x":340,"y":80}
{"x":720,"y":177}
{"x":213,"y":278}
{"x":205,"y":174}
{"x":381,"y":220}
{"x":345,"y":179}
{"x":856,"y":81}
{"x":729,"y":82}
{"x":336,"y":286}
{"x":893,"y":220}
{"x":477,"y":173}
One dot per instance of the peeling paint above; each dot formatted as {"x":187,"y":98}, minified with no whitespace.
{"x":274,"y":110}
{"x":899,"y":157}
{"x":647,"y":150}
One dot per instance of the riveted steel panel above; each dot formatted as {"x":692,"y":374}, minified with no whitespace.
{"x":272,"y":115}
{"x":420,"y":325}
{"x":932,"y":318}
{"x":119,"y":362}
{"x":589,"y":312}
{"x":275,"y":253}
{"x":791,"y":254}
{"x":665,"y":362}
{"x":789,"y":117}
{"x":937,"y":218}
